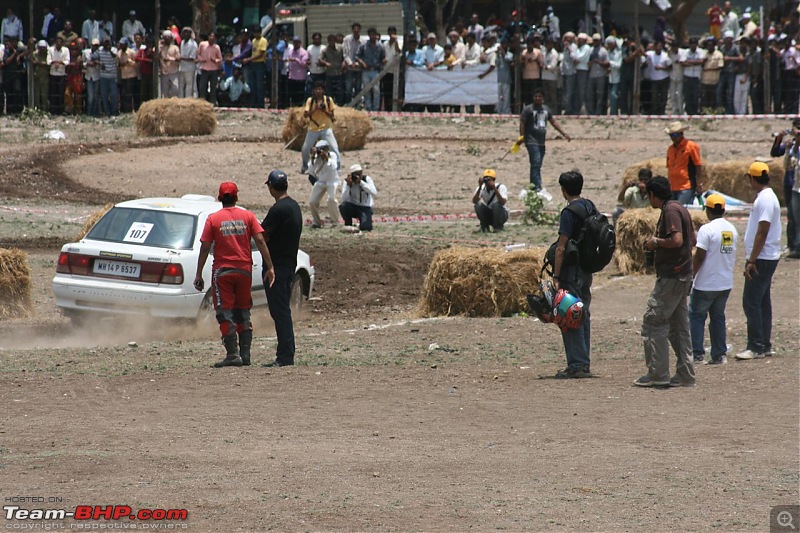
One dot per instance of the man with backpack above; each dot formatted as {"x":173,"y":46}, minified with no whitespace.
{"x":584,"y":239}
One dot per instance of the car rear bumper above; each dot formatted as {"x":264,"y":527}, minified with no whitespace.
{"x":119,"y":298}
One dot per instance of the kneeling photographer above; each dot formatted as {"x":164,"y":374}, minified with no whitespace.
{"x":358,"y":197}
{"x":490,"y":202}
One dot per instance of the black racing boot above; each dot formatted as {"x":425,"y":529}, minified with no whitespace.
{"x":245,"y":339}
{"x":232,"y":358}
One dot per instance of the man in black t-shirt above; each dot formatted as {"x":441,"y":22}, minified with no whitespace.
{"x":282,"y":228}
{"x":666,"y":320}
{"x":533,"y":130}
{"x":571,"y":277}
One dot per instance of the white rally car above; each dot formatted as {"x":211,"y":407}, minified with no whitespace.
{"x":140,"y":258}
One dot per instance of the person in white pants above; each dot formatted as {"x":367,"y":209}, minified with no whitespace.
{"x":324,"y":175}
{"x":741,"y":84}
{"x":187,"y":82}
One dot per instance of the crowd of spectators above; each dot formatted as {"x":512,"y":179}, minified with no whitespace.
{"x":101,"y":72}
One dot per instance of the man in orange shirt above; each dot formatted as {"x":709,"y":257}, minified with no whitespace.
{"x":684,"y":165}
{"x":230,"y":230}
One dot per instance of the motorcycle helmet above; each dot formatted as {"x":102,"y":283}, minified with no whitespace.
{"x":567,"y":310}
{"x":541,"y":304}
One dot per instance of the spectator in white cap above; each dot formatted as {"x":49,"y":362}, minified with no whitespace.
{"x":131,"y":27}
{"x":324,"y":176}
{"x":553,"y":24}
{"x":749,"y":28}
{"x":41,"y":76}
{"x":358,"y":197}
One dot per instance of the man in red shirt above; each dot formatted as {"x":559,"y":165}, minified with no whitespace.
{"x":230,"y":230}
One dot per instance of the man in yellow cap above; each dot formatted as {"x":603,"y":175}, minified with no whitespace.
{"x":713,"y":280}
{"x":490,"y":201}
{"x":762,"y":244}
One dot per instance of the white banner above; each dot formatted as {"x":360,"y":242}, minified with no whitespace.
{"x":451,"y":87}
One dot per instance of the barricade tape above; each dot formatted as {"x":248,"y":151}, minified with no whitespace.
{"x":408,"y":114}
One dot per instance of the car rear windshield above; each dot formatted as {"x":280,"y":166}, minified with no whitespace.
{"x":147,"y":227}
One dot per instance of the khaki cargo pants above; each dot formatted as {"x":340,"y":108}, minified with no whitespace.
{"x":666,"y":321}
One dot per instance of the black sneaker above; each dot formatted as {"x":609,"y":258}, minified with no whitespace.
{"x":229,"y":361}
{"x":676,"y":381}
{"x":723,"y":360}
{"x":574,"y":373}
{"x":699,"y":359}
{"x":276,"y":364}
{"x":647,"y":381}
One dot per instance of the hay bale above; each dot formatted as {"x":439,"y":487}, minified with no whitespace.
{"x":350,"y":129}
{"x":633,"y":228}
{"x":480,"y":282}
{"x":726,"y":177}
{"x":15,"y":285}
{"x":97,"y":215}
{"x":175,"y":116}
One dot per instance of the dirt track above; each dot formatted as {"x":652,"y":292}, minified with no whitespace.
{"x":375,"y":431}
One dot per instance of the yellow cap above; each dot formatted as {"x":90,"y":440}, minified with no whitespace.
{"x":715,"y":201}
{"x":490,"y":173}
{"x":758,"y":169}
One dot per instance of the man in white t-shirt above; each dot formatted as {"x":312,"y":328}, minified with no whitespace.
{"x":490,"y":202}
{"x":713,"y":280}
{"x":762,"y":243}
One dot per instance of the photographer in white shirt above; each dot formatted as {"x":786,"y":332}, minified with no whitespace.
{"x":325,"y":179}
{"x":358,"y":197}
{"x":490,"y":202}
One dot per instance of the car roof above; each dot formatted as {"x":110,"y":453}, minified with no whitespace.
{"x":192,"y":204}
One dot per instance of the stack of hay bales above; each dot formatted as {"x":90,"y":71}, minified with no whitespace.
{"x":481,"y":282}
{"x":175,"y":116}
{"x":634,"y":227}
{"x":97,"y":215}
{"x":15,"y":285}
{"x":727,"y":177}
{"x":350,"y":128}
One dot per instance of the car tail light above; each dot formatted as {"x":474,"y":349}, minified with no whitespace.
{"x":69,"y":263}
{"x":173,"y":274}
{"x":170,"y":273}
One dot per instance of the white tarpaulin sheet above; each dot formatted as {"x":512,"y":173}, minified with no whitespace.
{"x":663,"y":5}
{"x":451,"y":87}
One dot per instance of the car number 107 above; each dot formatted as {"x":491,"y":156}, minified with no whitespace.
{"x":117,"y":268}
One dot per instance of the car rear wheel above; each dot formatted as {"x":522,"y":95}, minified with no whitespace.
{"x":297,"y":296}
{"x":207,"y":316}
{"x":78,"y":319}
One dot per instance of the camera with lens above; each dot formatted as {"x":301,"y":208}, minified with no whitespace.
{"x":486,"y":180}
{"x":649,"y":258}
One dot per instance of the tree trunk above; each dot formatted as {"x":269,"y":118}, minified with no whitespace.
{"x":440,"y":22}
{"x":677,"y":17}
{"x":204,"y":15}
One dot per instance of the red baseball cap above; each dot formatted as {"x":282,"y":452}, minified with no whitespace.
{"x":228,"y":188}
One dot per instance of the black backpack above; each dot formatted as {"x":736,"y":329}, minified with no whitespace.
{"x":596,"y":239}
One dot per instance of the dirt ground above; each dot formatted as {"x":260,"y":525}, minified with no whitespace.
{"x":377,"y":429}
